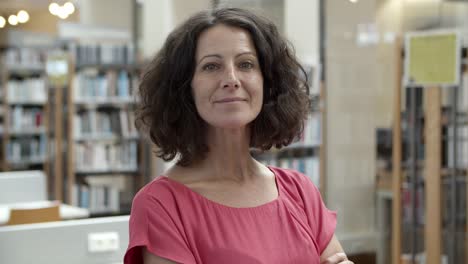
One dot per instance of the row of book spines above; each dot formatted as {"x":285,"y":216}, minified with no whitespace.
{"x":24,"y":56}
{"x":447,"y":154}
{"x":461,"y":156}
{"x":102,"y":54}
{"x":97,"y":199}
{"x":463,"y":97}
{"x":27,"y":148}
{"x":420,"y":205}
{"x":29,"y":89}
{"x":308,"y":166}
{"x":93,"y":123}
{"x":110,"y":85}
{"x":26,"y":118}
{"x":106,"y":156}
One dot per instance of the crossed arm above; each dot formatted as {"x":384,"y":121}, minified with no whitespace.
{"x":333,"y":254}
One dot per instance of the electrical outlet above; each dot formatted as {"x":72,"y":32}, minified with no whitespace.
{"x":103,"y":242}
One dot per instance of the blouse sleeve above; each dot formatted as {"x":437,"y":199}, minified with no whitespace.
{"x":321,"y":220}
{"x":152,"y":226}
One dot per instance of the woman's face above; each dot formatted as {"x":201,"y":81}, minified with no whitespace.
{"x":227,"y":84}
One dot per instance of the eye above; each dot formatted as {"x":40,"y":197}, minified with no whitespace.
{"x":210,"y":67}
{"x":246,"y":65}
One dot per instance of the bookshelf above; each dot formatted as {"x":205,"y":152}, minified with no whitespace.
{"x":307,"y":153}
{"x":430,"y":149}
{"x":25,"y":110}
{"x":104,"y":148}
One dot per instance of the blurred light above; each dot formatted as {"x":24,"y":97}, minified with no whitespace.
{"x":62,"y":13}
{"x":2,"y":22}
{"x":23,"y":16}
{"x":353,"y":1}
{"x":54,"y":9}
{"x":69,"y":8}
{"x":13,"y":20}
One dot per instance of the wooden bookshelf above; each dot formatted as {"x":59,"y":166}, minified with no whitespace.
{"x":433,"y":208}
{"x":101,"y":135}
{"x":323,"y":146}
{"x":4,"y":106}
{"x":465,"y":74}
{"x":27,"y":87}
{"x":25,"y":111}
{"x":434,"y":171}
{"x":396,"y":159}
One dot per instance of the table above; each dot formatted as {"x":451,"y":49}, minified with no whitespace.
{"x":66,"y":211}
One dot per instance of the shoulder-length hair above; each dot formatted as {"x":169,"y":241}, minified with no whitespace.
{"x":167,"y":109}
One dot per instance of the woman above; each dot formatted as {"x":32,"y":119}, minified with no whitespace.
{"x":226,"y":81}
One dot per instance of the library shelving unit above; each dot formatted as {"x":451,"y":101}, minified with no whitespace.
{"x":430,"y":150}
{"x":307,"y":153}
{"x":2,"y":115}
{"x":104,"y":147}
{"x":24,"y":110}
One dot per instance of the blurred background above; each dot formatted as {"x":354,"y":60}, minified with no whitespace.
{"x":386,"y":140}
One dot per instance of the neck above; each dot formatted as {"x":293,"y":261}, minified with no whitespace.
{"x":229,"y":156}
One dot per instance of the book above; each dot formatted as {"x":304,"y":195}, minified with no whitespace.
{"x":32,"y":90}
{"x":102,"y":53}
{"x":104,"y":156}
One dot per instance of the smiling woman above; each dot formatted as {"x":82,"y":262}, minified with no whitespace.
{"x":168,"y":106}
{"x":226,"y":81}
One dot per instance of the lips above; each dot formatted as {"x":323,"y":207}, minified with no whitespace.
{"x":230,"y":99}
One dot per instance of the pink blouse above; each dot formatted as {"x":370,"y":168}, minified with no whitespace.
{"x":178,"y":224}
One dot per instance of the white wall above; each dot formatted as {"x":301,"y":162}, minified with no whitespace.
{"x":352,"y":106}
{"x":301,"y":27}
{"x":183,"y":9}
{"x":160,"y":17}
{"x":271,"y":9}
{"x":108,"y":13}
{"x":156,"y":21}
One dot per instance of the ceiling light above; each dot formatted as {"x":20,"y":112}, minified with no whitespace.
{"x":23,"y":16}
{"x":13,"y":20}
{"x":2,"y":22}
{"x":353,"y":1}
{"x":69,"y":8}
{"x":62,"y":13}
{"x":54,"y":9}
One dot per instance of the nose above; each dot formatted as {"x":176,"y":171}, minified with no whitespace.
{"x":230,"y":79}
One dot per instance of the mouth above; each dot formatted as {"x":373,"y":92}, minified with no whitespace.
{"x":230,"y":100}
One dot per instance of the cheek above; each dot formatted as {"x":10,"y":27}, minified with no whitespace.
{"x":257,"y":92}
{"x":196,"y":89}
{"x":200,"y":94}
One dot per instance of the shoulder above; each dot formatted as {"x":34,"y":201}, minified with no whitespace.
{"x":292,"y":178}
{"x":159,"y":202}
{"x":297,"y":187}
{"x":160,"y":191}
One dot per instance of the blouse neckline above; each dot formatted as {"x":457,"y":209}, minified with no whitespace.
{"x":200,"y":196}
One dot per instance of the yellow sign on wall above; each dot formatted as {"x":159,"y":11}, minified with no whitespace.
{"x":433,"y":58}
{"x":57,"y":67}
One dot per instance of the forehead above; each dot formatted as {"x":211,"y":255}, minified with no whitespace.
{"x":222,"y":39}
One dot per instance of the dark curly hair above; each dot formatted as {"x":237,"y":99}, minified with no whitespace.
{"x":167,"y":109}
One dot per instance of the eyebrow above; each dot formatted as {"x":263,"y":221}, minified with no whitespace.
{"x":219,"y":56}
